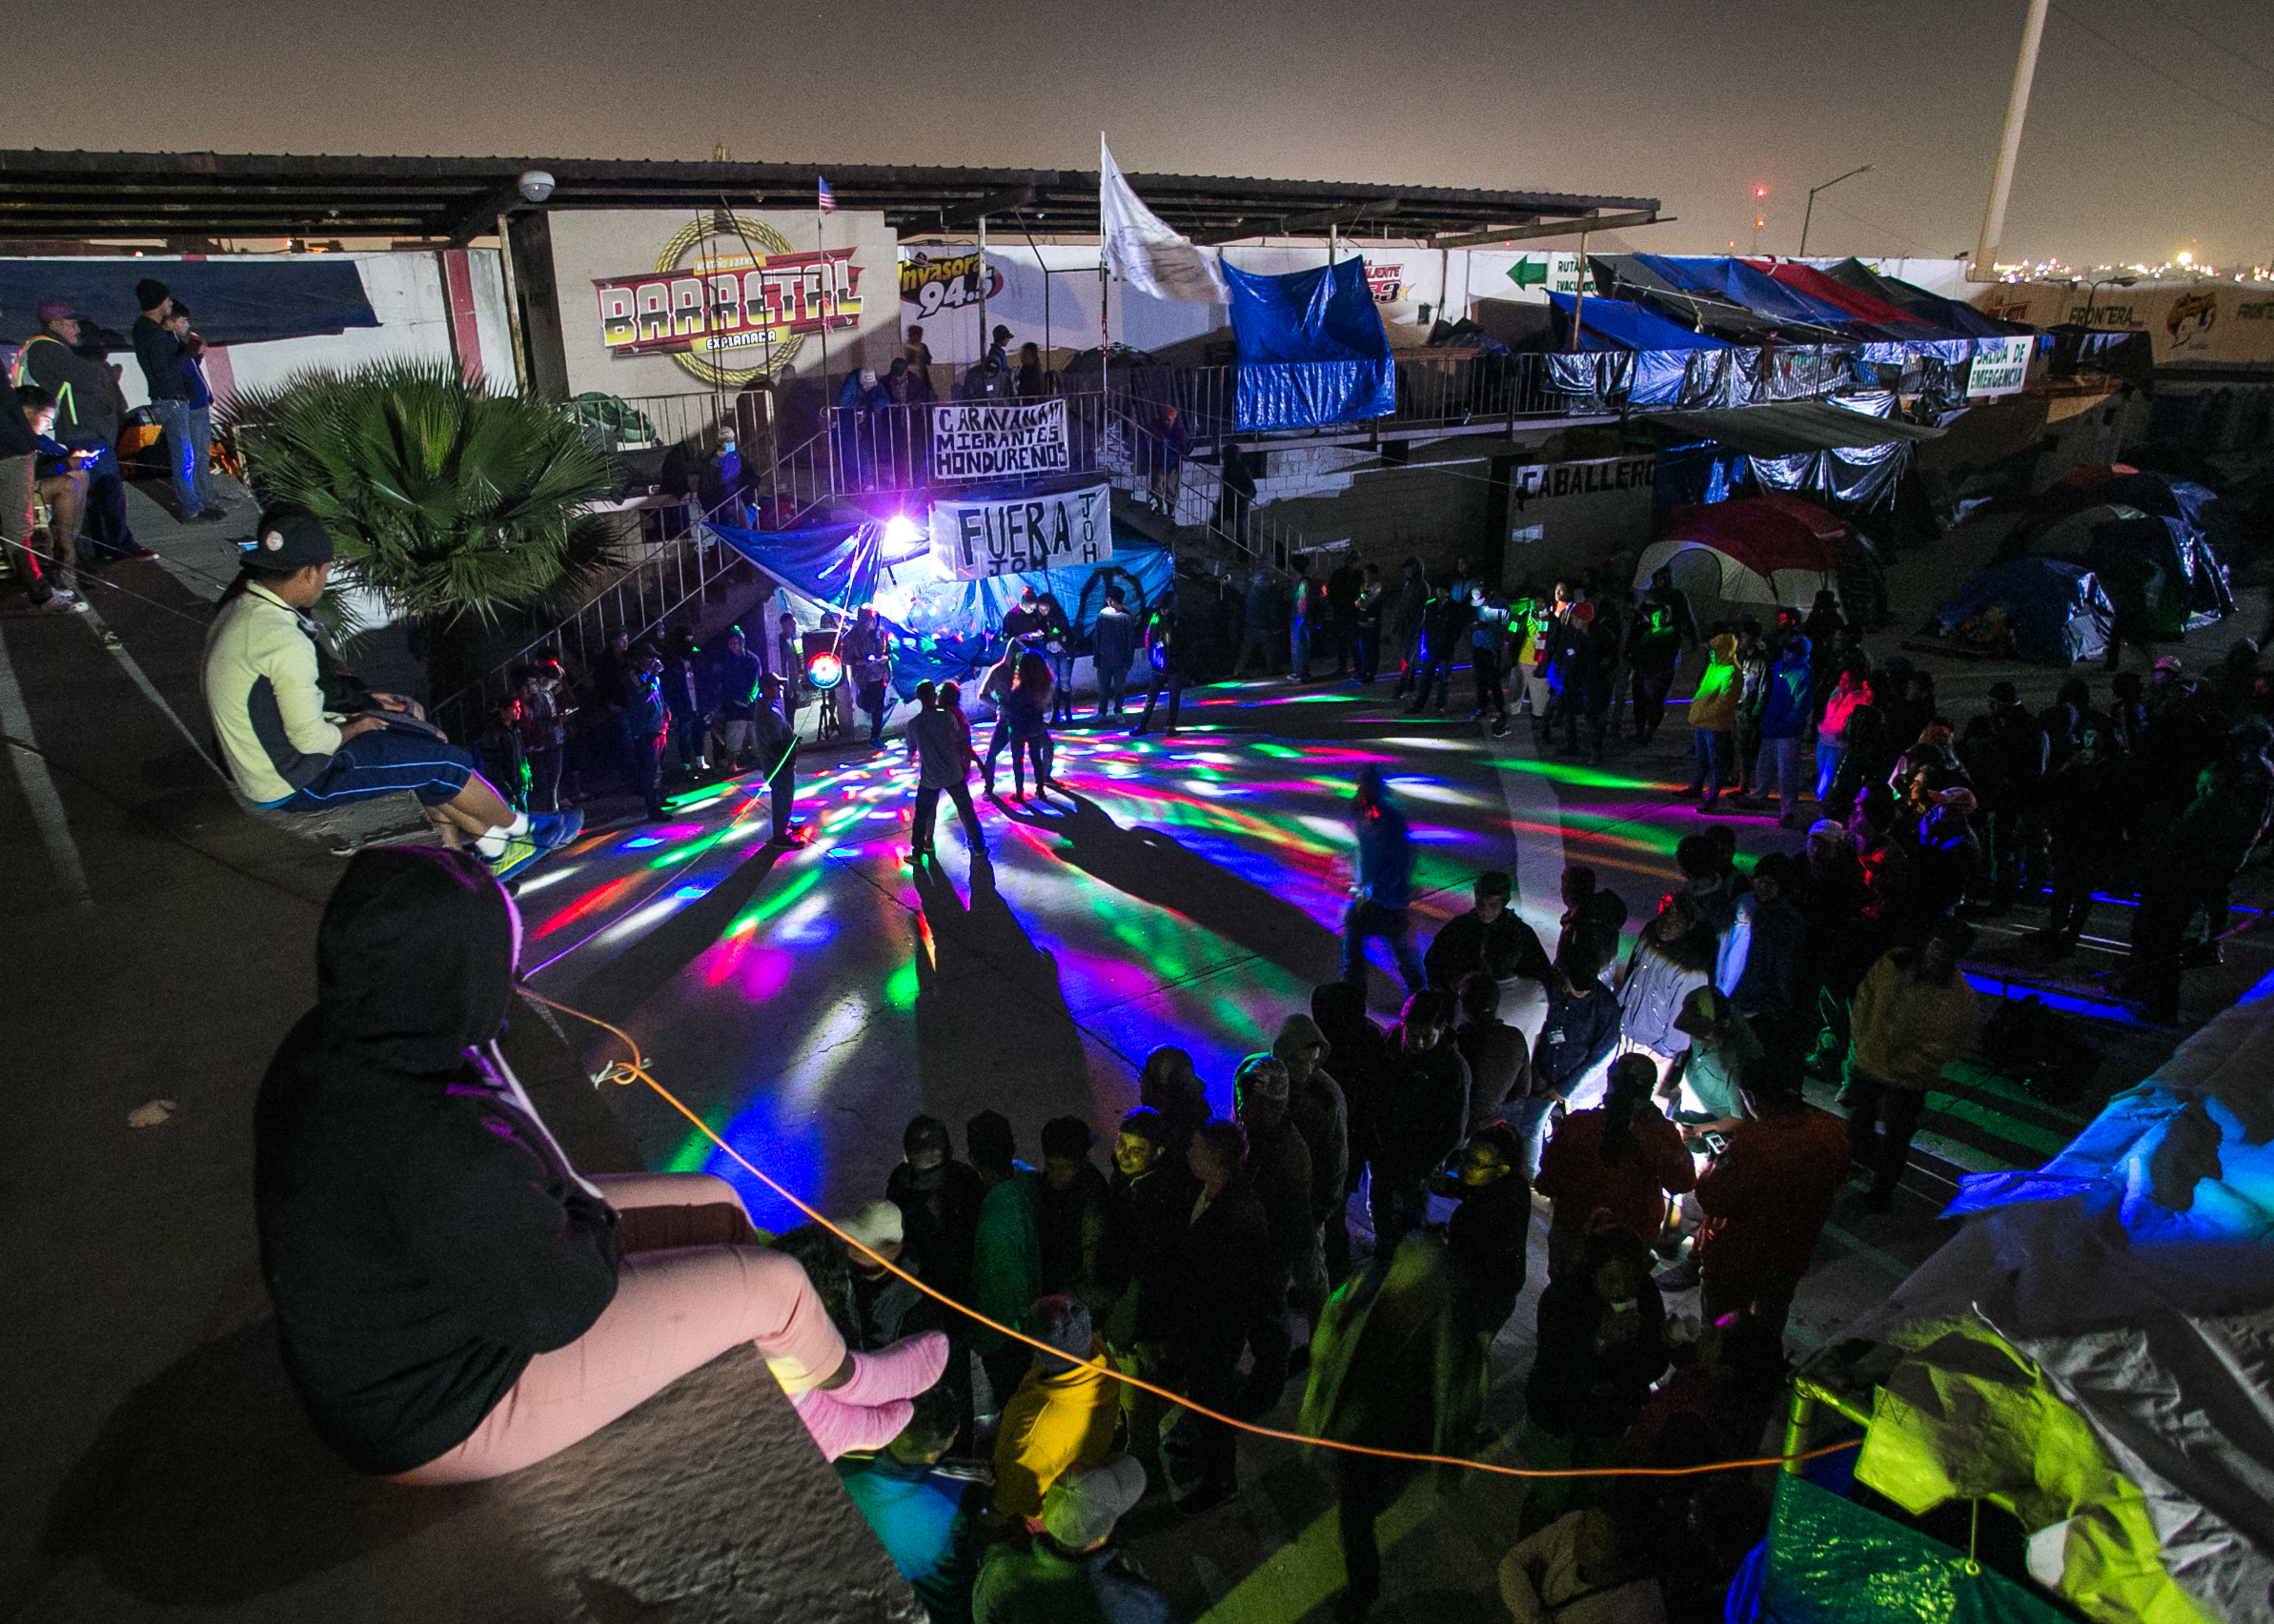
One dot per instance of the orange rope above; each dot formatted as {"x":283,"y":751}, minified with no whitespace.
{"x":626,"y":1072}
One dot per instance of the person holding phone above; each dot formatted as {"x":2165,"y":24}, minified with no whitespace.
{"x":43,"y":468}
{"x":1766,"y":1195}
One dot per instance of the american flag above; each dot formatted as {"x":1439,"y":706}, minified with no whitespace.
{"x":828,"y":199}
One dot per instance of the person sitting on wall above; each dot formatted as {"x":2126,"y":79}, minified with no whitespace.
{"x":300,"y":733}
{"x":455,"y":1300}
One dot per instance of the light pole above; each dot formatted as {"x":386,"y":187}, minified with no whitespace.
{"x":2093,"y":293}
{"x":1811,"y":211}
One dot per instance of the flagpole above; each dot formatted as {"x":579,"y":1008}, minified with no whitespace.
{"x":1104,"y":307}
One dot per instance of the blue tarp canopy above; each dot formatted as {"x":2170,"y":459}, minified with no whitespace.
{"x":1741,"y":284}
{"x":1311,"y":348}
{"x":1617,"y":324}
{"x":231,"y":302}
{"x":944,"y":628}
{"x":2049,"y":611}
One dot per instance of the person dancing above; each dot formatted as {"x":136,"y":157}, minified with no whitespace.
{"x":1025,"y":712}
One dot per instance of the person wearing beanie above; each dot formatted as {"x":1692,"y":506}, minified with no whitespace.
{"x":159,"y":351}
{"x":1279,"y":1169}
{"x":1322,"y":1116}
{"x":1064,"y":1412}
{"x":881,"y":1300}
{"x":300,"y":733}
{"x":87,"y":415}
{"x":1713,"y":722}
{"x":1068,"y":1572}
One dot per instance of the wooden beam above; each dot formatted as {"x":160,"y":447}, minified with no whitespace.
{"x":1553,"y":228}
{"x":469,"y":220}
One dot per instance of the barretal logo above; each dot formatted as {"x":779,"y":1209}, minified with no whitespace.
{"x":1385,"y":281}
{"x":946,"y":281}
{"x":729,"y":300}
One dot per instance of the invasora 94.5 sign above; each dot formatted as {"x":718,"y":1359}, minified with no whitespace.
{"x":997,"y":442}
{"x":977,"y":538}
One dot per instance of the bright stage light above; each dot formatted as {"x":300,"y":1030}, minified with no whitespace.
{"x":899,"y":530}
{"x":824,"y":670}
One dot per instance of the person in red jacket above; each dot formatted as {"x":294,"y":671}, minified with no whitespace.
{"x":1623,"y":1157}
{"x":1766,"y":1197}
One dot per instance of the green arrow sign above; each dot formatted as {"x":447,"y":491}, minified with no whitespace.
{"x":1528,"y":273}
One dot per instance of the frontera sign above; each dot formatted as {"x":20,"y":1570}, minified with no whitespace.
{"x":729,"y":300}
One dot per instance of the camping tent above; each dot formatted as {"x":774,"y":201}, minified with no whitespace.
{"x":2045,"y":610}
{"x":1773,"y":549}
{"x":2090,"y":1353}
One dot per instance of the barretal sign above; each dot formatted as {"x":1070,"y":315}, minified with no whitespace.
{"x":974,"y":539}
{"x":997,"y":442}
{"x":729,"y":304}
{"x":2000,"y":365}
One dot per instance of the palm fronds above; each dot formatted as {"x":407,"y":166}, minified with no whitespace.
{"x":446,"y":498}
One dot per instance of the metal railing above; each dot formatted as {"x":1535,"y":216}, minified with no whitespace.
{"x":661,"y":582}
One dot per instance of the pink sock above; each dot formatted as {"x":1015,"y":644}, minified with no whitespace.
{"x":903,"y":1370}
{"x":840,"y":1428}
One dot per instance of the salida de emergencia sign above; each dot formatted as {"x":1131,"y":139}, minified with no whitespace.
{"x":974,"y":539}
{"x":2001,"y":366}
{"x":982,"y":442}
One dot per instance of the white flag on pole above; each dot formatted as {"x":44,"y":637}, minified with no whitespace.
{"x":1143,"y":251}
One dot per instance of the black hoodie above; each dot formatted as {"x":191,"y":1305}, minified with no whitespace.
{"x":421,"y":1233}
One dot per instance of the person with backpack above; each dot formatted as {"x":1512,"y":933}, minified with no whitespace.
{"x":87,"y":415}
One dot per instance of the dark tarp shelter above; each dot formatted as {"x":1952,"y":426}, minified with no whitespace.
{"x":2049,"y":611}
{"x":2143,"y":533}
{"x":1949,"y":314}
{"x":1311,"y":348}
{"x":231,"y":302}
{"x":1854,"y":453}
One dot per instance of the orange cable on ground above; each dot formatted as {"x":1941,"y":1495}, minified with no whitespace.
{"x":626,"y":1072}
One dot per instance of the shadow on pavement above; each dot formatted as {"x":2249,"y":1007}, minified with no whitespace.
{"x":991,"y":1019}
{"x":629,"y":979}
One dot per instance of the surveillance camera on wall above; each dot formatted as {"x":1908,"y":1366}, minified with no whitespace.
{"x":535,"y":186}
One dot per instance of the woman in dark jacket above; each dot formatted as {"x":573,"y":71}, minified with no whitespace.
{"x":456,"y":1300}
{"x":1602,"y":1342}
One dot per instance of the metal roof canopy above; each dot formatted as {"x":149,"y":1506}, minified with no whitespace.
{"x":45,"y":195}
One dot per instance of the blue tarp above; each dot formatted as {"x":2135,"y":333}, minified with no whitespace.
{"x":1311,"y":348}
{"x":2053,"y":612}
{"x":944,"y":628}
{"x":1629,"y":327}
{"x":1742,"y":285}
{"x":231,"y":302}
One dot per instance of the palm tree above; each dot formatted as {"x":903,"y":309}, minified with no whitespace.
{"x":451,"y":501}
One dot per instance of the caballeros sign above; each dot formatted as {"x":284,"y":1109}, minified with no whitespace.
{"x":729,"y":300}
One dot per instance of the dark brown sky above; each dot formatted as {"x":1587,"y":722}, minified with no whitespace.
{"x":1694,"y":103}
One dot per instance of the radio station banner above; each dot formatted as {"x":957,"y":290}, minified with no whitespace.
{"x":972,"y":540}
{"x":2001,"y":366}
{"x":983,"y":441}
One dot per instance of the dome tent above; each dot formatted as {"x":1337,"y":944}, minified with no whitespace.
{"x":1767,"y":549}
{"x":2049,"y":611}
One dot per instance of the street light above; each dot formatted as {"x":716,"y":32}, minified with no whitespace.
{"x":1811,"y":211}
{"x":2093,"y":293}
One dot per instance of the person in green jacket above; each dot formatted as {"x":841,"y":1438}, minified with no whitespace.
{"x":1007,"y":1252}
{"x":1714,"y":721}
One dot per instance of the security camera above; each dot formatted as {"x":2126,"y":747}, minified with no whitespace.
{"x":535,"y":186}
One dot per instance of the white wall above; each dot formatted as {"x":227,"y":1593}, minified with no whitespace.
{"x":407,"y":293}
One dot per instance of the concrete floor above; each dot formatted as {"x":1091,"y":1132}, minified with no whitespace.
{"x":805,"y":1004}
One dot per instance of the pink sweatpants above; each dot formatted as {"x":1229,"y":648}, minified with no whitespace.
{"x":674,"y":1311}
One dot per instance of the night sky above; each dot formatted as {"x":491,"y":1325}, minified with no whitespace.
{"x":2127,"y":156}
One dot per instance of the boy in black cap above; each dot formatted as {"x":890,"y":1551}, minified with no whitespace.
{"x":300,"y":733}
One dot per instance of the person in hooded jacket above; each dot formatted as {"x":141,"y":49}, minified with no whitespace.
{"x":1713,"y":722}
{"x":1673,"y":958}
{"x":455,"y":1300}
{"x":1783,"y":716}
{"x":1362,"y":1061}
{"x":1322,"y":1116}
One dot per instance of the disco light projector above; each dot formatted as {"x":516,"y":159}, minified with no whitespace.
{"x":824,"y":670}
